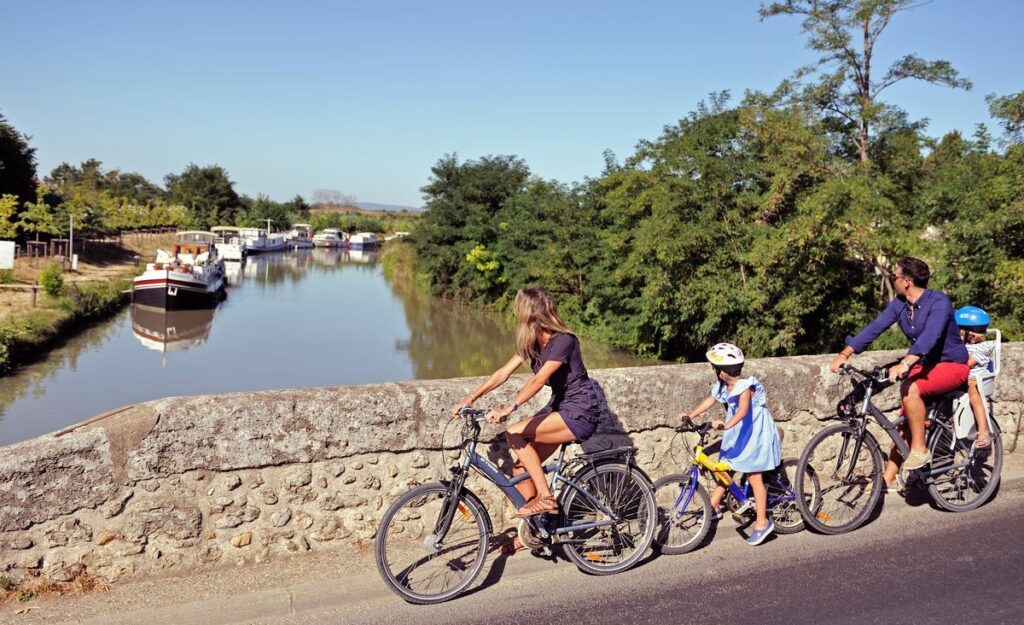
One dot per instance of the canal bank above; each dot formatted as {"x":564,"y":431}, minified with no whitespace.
{"x":33,"y":324}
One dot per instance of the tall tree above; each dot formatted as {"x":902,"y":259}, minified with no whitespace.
{"x":845,"y":33}
{"x":17,"y":163}
{"x":1009,"y":110}
{"x":207,"y":191}
{"x":8,"y":207}
{"x":38,"y":217}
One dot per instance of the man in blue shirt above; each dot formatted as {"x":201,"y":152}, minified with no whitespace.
{"x":936,"y":362}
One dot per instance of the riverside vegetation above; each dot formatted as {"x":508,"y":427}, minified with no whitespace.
{"x":771,"y":220}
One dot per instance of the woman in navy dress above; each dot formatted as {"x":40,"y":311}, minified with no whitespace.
{"x":553,"y":352}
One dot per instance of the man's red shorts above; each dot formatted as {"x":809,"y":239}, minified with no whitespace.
{"x":937,"y":379}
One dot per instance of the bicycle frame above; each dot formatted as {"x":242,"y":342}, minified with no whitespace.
{"x":722,"y":473}
{"x":507,"y":485}
{"x":891,"y":428}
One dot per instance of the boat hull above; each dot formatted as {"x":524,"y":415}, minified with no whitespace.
{"x":173,"y":294}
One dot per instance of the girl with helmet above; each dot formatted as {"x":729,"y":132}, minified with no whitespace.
{"x":973,"y":323}
{"x":750,"y":443}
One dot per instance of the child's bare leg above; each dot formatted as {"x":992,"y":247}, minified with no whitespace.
{"x":756,"y":482}
{"x":716,"y":496}
{"x":978,"y":408}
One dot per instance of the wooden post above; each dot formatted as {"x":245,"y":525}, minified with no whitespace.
{"x":35,"y":289}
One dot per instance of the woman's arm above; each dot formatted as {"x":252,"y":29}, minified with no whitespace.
{"x":701,"y":408}
{"x":497,"y":378}
{"x":531,"y":388}
{"x":741,"y":412}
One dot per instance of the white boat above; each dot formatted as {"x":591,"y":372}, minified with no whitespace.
{"x":230,"y":244}
{"x":258,"y":241}
{"x":191,"y":275}
{"x":330,"y":237}
{"x":300,"y":237}
{"x":363,"y":241}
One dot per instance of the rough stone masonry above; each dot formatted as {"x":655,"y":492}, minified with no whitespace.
{"x":187,"y":483}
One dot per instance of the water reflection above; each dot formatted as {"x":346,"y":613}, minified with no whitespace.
{"x":318,"y":317}
{"x":170,"y":330}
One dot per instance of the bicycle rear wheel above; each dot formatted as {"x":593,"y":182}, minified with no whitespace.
{"x":972,"y":474}
{"x":682,"y":525}
{"x":423,"y":568}
{"x":781,"y":486}
{"x":615,"y":547}
{"x":849,"y":480}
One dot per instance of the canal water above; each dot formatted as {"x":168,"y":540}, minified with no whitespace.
{"x":290,"y":320}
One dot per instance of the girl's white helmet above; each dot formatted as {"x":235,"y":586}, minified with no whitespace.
{"x":725,"y":354}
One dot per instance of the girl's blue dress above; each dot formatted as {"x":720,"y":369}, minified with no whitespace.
{"x":753,"y":444}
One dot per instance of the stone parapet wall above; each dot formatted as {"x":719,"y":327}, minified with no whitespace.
{"x":192,"y":482}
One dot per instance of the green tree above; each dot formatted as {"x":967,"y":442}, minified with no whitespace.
{"x":207,"y":192}
{"x":1009,"y":110}
{"x":845,"y":33}
{"x":463,"y":200}
{"x":17,"y":163}
{"x":8,"y":212}
{"x":38,"y":217}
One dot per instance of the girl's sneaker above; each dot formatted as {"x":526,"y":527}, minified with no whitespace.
{"x":717,"y":514}
{"x":757,"y":536}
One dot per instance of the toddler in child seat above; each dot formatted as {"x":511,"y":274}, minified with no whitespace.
{"x":973,"y":323}
{"x":750,"y":443}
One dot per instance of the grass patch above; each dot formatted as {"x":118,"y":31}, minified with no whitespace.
{"x":398,"y":262}
{"x":34,"y":587}
{"x":25,"y":335}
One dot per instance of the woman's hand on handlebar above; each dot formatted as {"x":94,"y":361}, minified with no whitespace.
{"x":498,"y":414}
{"x":459,"y":406}
{"x":717,"y":425}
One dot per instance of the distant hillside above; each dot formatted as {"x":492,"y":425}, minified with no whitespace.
{"x":375,"y":206}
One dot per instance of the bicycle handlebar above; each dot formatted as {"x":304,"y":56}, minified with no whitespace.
{"x":476,"y":414}
{"x":689,"y":426}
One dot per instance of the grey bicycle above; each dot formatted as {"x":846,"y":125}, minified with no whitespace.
{"x":432,"y":542}
{"x":849,"y":461}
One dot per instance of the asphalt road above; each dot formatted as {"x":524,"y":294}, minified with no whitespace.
{"x":910,"y":565}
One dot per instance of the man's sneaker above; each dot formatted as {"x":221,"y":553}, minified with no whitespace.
{"x":716,"y":514}
{"x":917,"y":459}
{"x":757,"y":536}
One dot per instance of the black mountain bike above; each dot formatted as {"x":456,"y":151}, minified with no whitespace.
{"x":432,"y":542}
{"x":849,"y":461}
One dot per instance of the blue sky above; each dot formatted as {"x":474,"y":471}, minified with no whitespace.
{"x":365,"y":97}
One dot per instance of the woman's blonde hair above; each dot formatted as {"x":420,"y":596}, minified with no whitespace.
{"x":536,"y":312}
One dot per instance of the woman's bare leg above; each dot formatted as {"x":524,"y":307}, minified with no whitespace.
{"x":523,"y":435}
{"x":526,"y":488}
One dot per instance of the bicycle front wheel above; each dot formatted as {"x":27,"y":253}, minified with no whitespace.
{"x":420,"y":566}
{"x":848,"y":479}
{"x":963,"y":477}
{"x":684,"y":514}
{"x":599,"y":547}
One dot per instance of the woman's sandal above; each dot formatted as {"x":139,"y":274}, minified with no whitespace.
{"x":538,"y":505}
{"x":511,"y":547}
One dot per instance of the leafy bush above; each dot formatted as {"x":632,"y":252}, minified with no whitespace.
{"x":52,"y":279}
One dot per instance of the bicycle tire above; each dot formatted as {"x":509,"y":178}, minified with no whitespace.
{"x":785,"y":513}
{"x":687,"y":530}
{"x":599,"y":551}
{"x":829,"y":512}
{"x":959,"y":490}
{"x":409,"y":530}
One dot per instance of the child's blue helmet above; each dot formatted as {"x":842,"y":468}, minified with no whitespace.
{"x":972,"y":318}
